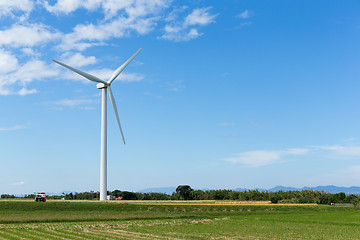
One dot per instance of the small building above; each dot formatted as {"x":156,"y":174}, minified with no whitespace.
{"x":110,"y":197}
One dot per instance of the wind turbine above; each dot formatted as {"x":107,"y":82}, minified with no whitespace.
{"x":104,"y":86}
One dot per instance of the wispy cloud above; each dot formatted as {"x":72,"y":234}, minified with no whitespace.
{"x":262,"y":158}
{"x":175,"y":86}
{"x":18,"y":183}
{"x":245,"y":14}
{"x":245,"y":17}
{"x":188,"y":28}
{"x":244,"y":24}
{"x":131,"y":77}
{"x":17,"y":127}
{"x":340,"y":150}
{"x":73,"y":102}
{"x":24,"y":91}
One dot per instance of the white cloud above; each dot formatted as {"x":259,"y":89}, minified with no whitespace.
{"x":137,"y":8}
{"x":295,"y":151}
{"x":186,"y":30}
{"x":17,"y":127}
{"x":7,"y":7}
{"x":122,"y":18}
{"x":199,"y":16}
{"x":30,"y":52}
{"x":245,"y":14}
{"x":262,"y":158}
{"x":255,"y":158}
{"x":33,"y":70}
{"x":68,"y":6}
{"x":174,"y":14}
{"x":16,"y":80}
{"x":25,"y":91}
{"x":27,"y":35}
{"x":341,"y":150}
{"x":85,"y":36}
{"x":111,"y":8}
{"x":78,"y":60}
{"x":18,"y":183}
{"x":8,"y":62}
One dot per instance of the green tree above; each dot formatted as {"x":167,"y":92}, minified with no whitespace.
{"x":185,"y":192}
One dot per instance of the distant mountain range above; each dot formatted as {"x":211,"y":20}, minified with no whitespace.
{"x":329,"y":189}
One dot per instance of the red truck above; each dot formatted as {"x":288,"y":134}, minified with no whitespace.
{"x":40,"y":197}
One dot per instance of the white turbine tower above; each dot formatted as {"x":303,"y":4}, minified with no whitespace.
{"x":104,"y":86}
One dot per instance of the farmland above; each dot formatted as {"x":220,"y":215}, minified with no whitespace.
{"x":175,"y":220}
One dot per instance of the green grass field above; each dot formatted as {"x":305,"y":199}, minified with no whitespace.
{"x":174,"y":220}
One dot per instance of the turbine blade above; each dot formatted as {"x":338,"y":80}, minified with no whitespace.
{"x":116,"y":112}
{"x":84,"y":74}
{"x":122,"y":67}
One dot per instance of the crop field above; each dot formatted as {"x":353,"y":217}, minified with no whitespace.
{"x":175,"y":220}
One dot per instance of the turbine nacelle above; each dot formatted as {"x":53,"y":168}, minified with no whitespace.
{"x":102,"y":85}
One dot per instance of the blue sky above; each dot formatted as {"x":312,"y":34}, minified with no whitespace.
{"x":224,"y":94}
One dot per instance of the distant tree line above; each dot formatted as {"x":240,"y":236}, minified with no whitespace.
{"x":7,"y":196}
{"x":185,"y":192}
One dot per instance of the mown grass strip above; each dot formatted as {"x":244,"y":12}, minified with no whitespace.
{"x":57,"y":233}
{"x":85,"y":234}
{"x":108,"y":234}
{"x":81,"y":217}
{"x":8,"y":234}
{"x":24,"y":233}
{"x":133,"y":235}
{"x":40,"y":233}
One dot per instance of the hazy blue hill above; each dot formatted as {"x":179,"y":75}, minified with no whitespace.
{"x":335,"y":189}
{"x":282,"y":188}
{"x":329,"y":189}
